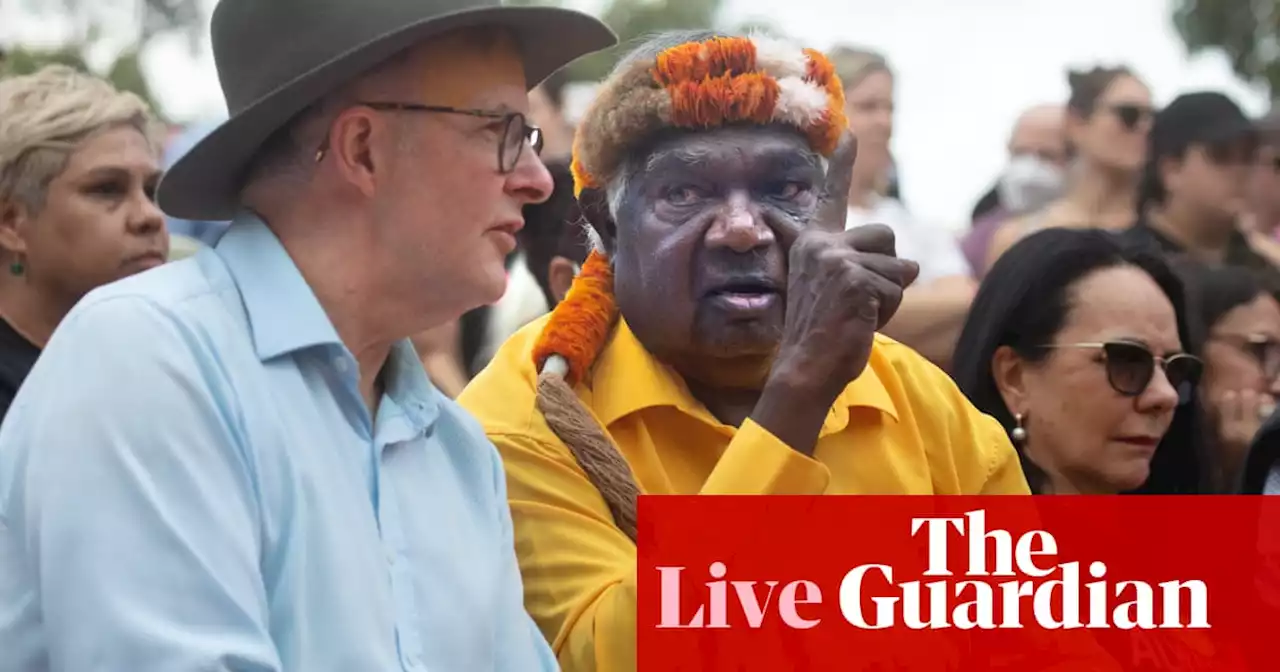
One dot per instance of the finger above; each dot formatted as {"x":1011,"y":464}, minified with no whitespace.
{"x":1229,"y":407}
{"x":874,"y":291}
{"x":899,"y":271}
{"x":835,"y":202}
{"x":873,"y":238}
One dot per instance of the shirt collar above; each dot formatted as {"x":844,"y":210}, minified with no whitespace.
{"x":627,"y":379}
{"x":284,"y":314}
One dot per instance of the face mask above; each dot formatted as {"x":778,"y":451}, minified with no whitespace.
{"x":1029,"y":183}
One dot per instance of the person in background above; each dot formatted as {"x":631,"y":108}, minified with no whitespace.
{"x":1077,"y":344}
{"x":79,"y":164}
{"x":934,"y":308}
{"x":553,"y":239}
{"x":1194,"y":186}
{"x":546,"y":110}
{"x":721,"y":337}
{"x":440,"y":349}
{"x":1239,"y":324}
{"x":1109,"y":113}
{"x":1261,"y":225}
{"x":1033,"y":177}
{"x":236,"y":461}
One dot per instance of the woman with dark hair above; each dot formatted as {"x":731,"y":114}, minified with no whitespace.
{"x":1077,"y":344}
{"x":1241,"y":324}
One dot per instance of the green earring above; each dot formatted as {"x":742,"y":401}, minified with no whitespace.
{"x":16,"y":268}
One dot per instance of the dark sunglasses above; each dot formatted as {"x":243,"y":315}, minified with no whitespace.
{"x":1131,"y":115}
{"x":1130,"y":367}
{"x":1263,"y":349}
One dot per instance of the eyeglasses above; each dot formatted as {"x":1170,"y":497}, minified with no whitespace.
{"x":1131,"y":115}
{"x":1262,"y":348}
{"x":1130,"y":367}
{"x":516,"y":131}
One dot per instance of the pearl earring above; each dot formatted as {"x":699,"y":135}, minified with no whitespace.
{"x":1018,"y":434}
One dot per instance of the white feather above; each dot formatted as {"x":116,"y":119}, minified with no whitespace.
{"x":799,"y":102}
{"x":779,"y":57}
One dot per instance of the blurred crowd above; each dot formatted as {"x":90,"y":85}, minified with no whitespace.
{"x":1112,"y":304}
{"x":1195,"y":181}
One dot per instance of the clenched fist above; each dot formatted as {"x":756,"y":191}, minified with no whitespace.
{"x":842,"y":286}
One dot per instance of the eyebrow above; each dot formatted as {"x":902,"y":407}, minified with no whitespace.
{"x":102,"y":172}
{"x":783,"y":160}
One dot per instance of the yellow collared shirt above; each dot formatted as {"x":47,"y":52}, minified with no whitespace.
{"x":901,"y":428}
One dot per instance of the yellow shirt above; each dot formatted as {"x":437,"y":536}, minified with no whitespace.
{"x":901,"y":428}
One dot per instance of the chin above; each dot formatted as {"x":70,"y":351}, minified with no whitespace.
{"x":739,"y":342}
{"x":1131,"y":476}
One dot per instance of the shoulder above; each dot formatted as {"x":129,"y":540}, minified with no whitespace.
{"x":952,"y":429}
{"x":130,"y":340}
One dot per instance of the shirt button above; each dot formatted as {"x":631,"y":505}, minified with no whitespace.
{"x":391,"y":558}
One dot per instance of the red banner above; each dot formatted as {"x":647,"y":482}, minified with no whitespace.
{"x":959,"y":583}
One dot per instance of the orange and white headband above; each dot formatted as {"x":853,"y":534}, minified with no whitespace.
{"x":707,"y":84}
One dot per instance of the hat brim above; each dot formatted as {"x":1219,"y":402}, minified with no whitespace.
{"x":205,"y":183}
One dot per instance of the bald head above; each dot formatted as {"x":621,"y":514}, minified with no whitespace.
{"x":1041,"y":131}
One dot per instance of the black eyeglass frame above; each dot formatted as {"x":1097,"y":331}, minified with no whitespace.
{"x":1163,"y":362}
{"x":530,"y":135}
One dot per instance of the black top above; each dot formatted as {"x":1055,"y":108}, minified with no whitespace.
{"x":1239,"y":253}
{"x":17,"y":356}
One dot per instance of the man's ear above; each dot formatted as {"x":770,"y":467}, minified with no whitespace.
{"x":560,"y":274}
{"x":594,"y":204}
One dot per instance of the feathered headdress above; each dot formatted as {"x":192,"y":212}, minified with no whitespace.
{"x":697,"y":85}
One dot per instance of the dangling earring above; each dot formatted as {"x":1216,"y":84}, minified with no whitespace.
{"x":1018,"y":434}
{"x":17,"y":268}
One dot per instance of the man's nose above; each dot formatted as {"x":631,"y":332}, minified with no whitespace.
{"x":739,"y":226}
{"x":530,"y":181}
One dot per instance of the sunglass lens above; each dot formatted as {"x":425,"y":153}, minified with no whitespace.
{"x":1183,"y":372}
{"x":1129,"y":115}
{"x":1129,"y":367}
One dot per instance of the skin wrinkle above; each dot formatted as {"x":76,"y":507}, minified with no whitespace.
{"x":737,"y":168}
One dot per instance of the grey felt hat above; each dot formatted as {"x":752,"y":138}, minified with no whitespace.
{"x":277,"y":57}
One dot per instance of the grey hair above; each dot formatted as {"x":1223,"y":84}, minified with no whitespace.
{"x":44,"y":117}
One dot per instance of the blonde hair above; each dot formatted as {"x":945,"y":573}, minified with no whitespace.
{"x":44,"y":116}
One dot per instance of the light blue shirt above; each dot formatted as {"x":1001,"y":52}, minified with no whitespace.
{"x":190,"y":481}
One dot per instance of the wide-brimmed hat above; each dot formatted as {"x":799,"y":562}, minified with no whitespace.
{"x":277,"y":57}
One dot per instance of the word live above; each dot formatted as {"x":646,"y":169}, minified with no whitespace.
{"x":972,"y":600}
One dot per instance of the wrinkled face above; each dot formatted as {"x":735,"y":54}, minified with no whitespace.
{"x":703,"y":232}
{"x":444,"y":209}
{"x":1243,"y":350}
{"x":869,"y":106}
{"x":99,"y":222}
{"x":1114,"y":135}
{"x":1212,"y":180}
{"x":1079,"y":426}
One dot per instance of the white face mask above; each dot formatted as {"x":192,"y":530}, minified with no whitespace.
{"x":1029,"y":183}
